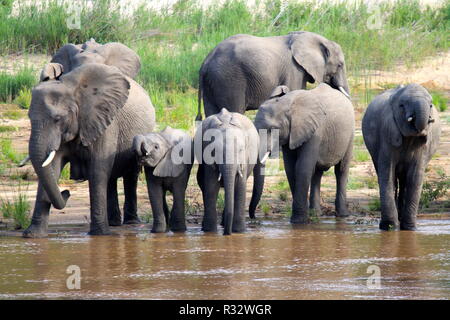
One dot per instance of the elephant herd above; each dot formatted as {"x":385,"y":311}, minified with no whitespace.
{"x":89,"y":111}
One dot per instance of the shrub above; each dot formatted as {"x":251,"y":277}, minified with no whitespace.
{"x":18,"y":209}
{"x":11,"y":85}
{"x":439,"y":101}
{"x":433,"y":190}
{"x":23,"y":99}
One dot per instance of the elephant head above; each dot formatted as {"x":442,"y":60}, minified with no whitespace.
{"x":412,"y":113}
{"x":166,"y":151}
{"x":71,"y":56}
{"x":78,"y":107}
{"x":322,"y":59}
{"x":295,"y":116}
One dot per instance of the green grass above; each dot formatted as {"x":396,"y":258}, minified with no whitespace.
{"x":7,"y":152}
{"x":17,"y":209}
{"x":173,"y":43}
{"x":361,"y":155}
{"x":12,"y":85}
{"x":8,"y":129}
{"x":439,"y":101}
{"x":23,"y":98}
{"x":433,"y":190}
{"x":13,"y":114}
{"x":375,"y":204}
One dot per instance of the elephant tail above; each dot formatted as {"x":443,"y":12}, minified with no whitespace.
{"x":199,"y":100}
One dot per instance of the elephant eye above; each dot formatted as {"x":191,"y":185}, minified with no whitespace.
{"x":402,"y":106}
{"x":57,"y":118}
{"x":431,"y":106}
{"x":156,"y":146}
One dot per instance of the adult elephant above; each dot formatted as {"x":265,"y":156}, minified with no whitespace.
{"x":241,"y":72}
{"x":71,"y":56}
{"x":87,"y":118}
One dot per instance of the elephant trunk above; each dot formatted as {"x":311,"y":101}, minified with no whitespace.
{"x":258,"y":185}
{"x":228,"y":172}
{"x":138,"y":145}
{"x":40,"y":161}
{"x":421,"y":116}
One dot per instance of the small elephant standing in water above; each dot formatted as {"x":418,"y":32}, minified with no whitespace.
{"x":316,"y":129}
{"x":401,"y":129}
{"x":226,"y":147}
{"x":167,"y":157}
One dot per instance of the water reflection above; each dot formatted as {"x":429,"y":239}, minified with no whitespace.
{"x":273,"y":261}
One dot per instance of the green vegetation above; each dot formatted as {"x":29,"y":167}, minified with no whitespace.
{"x":173,"y":43}
{"x":439,"y":101}
{"x":12,"y":85}
{"x":433,"y":190}
{"x":8,"y":129}
{"x":7,"y":152}
{"x":23,"y":98}
{"x":361,"y":155}
{"x":313,"y":217}
{"x":375,"y":204}
{"x":17,"y":209}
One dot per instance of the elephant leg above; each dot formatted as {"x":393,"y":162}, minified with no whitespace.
{"x":401,"y":191}
{"x":130,"y":215}
{"x":210,"y":192}
{"x":177,"y":216}
{"x":39,"y":222}
{"x":99,"y":176}
{"x":156,"y":196}
{"x":166,"y":208}
{"x":314,"y":195}
{"x":114,"y":215}
{"x":413,"y":186}
{"x":289,"y":160}
{"x":304,"y":169}
{"x":386,"y":179}
{"x":341,"y":171}
{"x":239,"y":204}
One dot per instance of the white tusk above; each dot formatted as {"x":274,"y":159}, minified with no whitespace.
{"x":49,"y":159}
{"x":344,"y":92}
{"x":146,"y":154}
{"x":240,"y":173}
{"x":24,"y":161}
{"x":410,"y":119}
{"x":264,"y":158}
{"x":220,"y":176}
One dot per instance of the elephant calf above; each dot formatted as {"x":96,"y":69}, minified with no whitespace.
{"x":316,"y":129}
{"x":167,"y":158}
{"x":401,"y":130}
{"x":226,"y":147}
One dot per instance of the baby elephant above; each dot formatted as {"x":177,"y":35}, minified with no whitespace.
{"x":226,"y":147}
{"x":315,"y":129}
{"x":167,"y":158}
{"x":401,"y":130}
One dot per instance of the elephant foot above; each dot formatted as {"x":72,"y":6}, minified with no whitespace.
{"x":299,"y":219}
{"x":239,"y":229}
{"x":388,"y":225}
{"x":114,"y":222}
{"x":178,"y":227}
{"x":99,"y":232}
{"x":342,"y":213}
{"x":408,"y":226}
{"x":134,"y":220}
{"x":35,"y":231}
{"x":159,"y":228}
{"x":209,"y":228}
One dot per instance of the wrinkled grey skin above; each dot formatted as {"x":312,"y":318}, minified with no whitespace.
{"x":316,"y":132}
{"x":401,"y":150}
{"x":163,"y":171}
{"x":240,"y":72}
{"x":89,"y":117}
{"x":238,"y":132}
{"x":71,"y":56}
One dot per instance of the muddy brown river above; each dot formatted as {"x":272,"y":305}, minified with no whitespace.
{"x":273,"y":260}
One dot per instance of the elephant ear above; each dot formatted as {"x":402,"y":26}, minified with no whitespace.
{"x":394,"y":135}
{"x":279,"y":92}
{"x":64,"y":56}
{"x":100,"y":91}
{"x":171,"y":165}
{"x":310,"y":52}
{"x":51,"y":71}
{"x":306,"y":115}
{"x":122,"y":57}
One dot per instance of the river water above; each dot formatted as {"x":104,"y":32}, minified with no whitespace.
{"x":273,"y":260}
